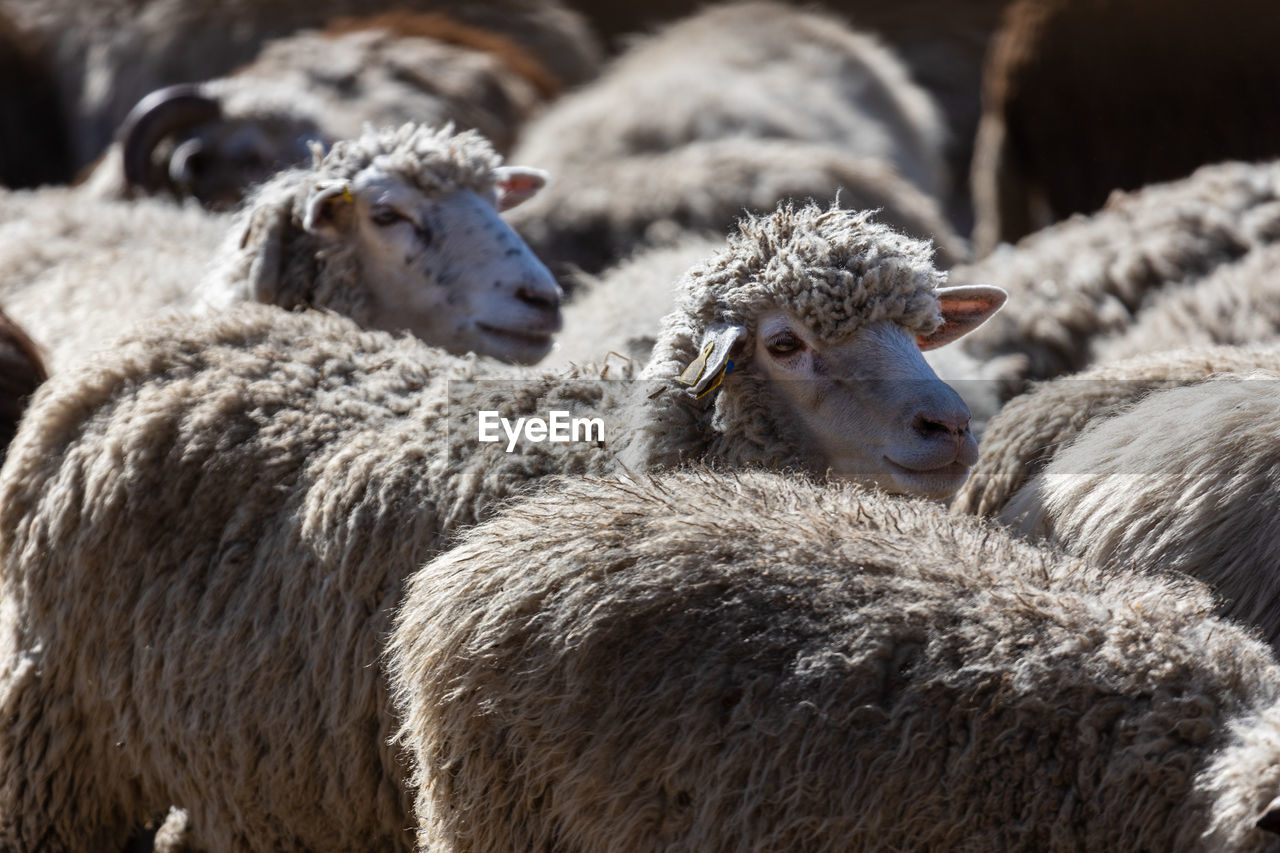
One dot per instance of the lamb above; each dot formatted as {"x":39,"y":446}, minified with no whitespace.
{"x":291,"y":470}
{"x":1238,"y":303}
{"x":1185,"y":478}
{"x":108,"y":55}
{"x":211,"y":141}
{"x":1022,"y":438}
{"x":756,"y":662}
{"x":1083,"y":98}
{"x":748,"y":71}
{"x":598,"y":214}
{"x":1085,"y":278}
{"x":397,"y":229}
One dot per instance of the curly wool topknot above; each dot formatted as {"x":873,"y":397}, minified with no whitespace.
{"x":435,"y":160}
{"x":836,"y":269}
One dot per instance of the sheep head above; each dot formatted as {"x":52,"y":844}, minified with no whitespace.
{"x":181,"y":140}
{"x":400,"y":231}
{"x":824,"y":315}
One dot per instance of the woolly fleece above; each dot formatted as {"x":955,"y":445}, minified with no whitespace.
{"x":734,"y":70}
{"x":1087,"y":276}
{"x":1186,"y":478}
{"x":595,"y":214}
{"x":1020,"y":441}
{"x":753,"y":662}
{"x":1237,"y":303}
{"x":76,"y":271}
{"x":215,"y":517}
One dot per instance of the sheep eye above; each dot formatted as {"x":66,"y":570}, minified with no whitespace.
{"x":786,"y":344}
{"x":384,"y":216}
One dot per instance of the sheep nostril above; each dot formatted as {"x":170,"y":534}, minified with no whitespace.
{"x":541,"y":300}
{"x":928,"y":426}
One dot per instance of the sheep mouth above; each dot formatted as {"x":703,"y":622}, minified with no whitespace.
{"x":520,"y":336}
{"x":939,"y":481}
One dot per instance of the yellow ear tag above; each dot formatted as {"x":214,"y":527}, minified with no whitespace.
{"x":691,"y":374}
{"x":346,"y":195}
{"x":715,"y":383}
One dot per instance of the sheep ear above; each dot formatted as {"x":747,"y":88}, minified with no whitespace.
{"x":326,"y":206}
{"x":705,"y":373}
{"x":264,"y":240}
{"x":1269,"y":820}
{"x":963,"y":310}
{"x":517,"y":184}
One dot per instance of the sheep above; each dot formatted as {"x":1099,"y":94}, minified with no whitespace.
{"x":1238,"y":303}
{"x":600,"y":214}
{"x":108,"y":55}
{"x":755,"y":69}
{"x":1083,"y":98}
{"x":755,"y":662}
{"x":213,"y":140}
{"x":747,"y":72}
{"x":1085,"y":278}
{"x":620,"y":311}
{"x":388,"y":210}
{"x":942,"y":46}
{"x":397,"y":229}
{"x":1022,"y":438}
{"x":33,"y":136}
{"x":75,"y":272}
{"x":1185,"y":478}
{"x":261,"y":482}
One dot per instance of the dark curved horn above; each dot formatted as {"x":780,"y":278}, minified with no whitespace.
{"x":180,"y":173}
{"x":163,"y":112}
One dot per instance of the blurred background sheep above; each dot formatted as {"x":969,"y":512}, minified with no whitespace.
{"x":1084,"y":97}
{"x":729,"y":73}
{"x":213,"y":140}
{"x":1109,"y":163}
{"x":106,"y":56}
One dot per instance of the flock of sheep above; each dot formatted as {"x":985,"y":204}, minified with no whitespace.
{"x":266,"y":268}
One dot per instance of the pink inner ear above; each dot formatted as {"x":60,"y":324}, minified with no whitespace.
{"x":944,"y":334}
{"x":517,"y":187}
{"x":962,"y":312}
{"x":955,"y":308}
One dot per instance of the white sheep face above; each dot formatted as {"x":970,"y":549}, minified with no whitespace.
{"x":871,"y":407}
{"x":449,"y":270}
